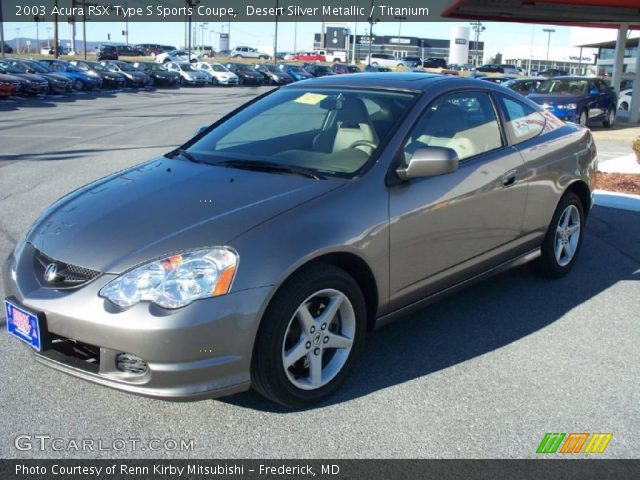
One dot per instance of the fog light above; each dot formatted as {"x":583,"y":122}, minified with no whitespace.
{"x":130,"y":363}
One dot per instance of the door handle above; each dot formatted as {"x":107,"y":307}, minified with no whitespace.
{"x":509,"y":178}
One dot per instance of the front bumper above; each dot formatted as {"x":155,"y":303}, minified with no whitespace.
{"x":36,"y":88}
{"x":199,"y":351}
{"x":566,"y":115}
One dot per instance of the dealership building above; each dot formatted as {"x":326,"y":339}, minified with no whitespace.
{"x":458,"y":49}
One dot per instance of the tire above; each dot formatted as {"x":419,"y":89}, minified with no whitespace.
{"x":551,"y":264}
{"x":624,"y":106}
{"x":611,"y":118}
{"x":375,"y":64}
{"x":77,"y":84}
{"x":237,"y":56}
{"x":584,"y":118}
{"x":282,"y":334}
{"x":262,"y":57}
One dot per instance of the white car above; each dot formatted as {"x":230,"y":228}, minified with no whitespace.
{"x":189,"y":75}
{"x":384,"y":60}
{"x":624,"y":100}
{"x":178,"y":56}
{"x":248,"y":52}
{"x":221,"y":74}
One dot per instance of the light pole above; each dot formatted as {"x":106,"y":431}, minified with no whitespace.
{"x":49,"y":38}
{"x":549,"y":31}
{"x":478,"y":28}
{"x":18,"y":40}
{"x":371,"y":22}
{"x":1,"y":32}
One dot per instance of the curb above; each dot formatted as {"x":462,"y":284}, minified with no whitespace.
{"x":623,"y":201}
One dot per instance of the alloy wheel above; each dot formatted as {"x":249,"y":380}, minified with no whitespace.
{"x":318,"y":339}
{"x":567,"y":235}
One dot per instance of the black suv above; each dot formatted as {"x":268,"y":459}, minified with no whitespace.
{"x":107,"y":52}
{"x":127,"y":51}
{"x":434,"y":62}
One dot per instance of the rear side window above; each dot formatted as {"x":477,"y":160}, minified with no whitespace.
{"x":465,"y":122}
{"x":523,"y":122}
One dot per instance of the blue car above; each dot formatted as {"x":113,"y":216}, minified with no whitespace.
{"x":578,"y":99}
{"x":296,"y":71}
{"x":80,"y":80}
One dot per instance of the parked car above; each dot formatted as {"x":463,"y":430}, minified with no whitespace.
{"x":179,"y":56}
{"x":578,"y":99}
{"x":308,"y":57}
{"x":434,"y":62}
{"x":272,"y":75}
{"x":503,"y":68}
{"x":376,"y":68}
{"x":159,"y":74}
{"x":109,"y":79}
{"x":31,"y":84}
{"x":127,"y":51}
{"x":57,"y":83}
{"x":10,"y":85}
{"x":80,"y":80}
{"x":189,"y":75}
{"x":295,"y":71}
{"x":221,"y":75}
{"x":411,"y":61}
{"x":7,"y":48}
{"x":384,"y":60}
{"x":624,"y":100}
{"x":248,"y":52}
{"x":246,"y":74}
{"x":319,"y":70}
{"x":134,"y":77}
{"x":480,"y":180}
{"x":525,"y":86}
{"x":343,"y":68}
{"x":106,"y":52}
{"x":332,"y":55}
{"x":552,"y":72}
{"x":153,"y":49}
{"x":498,"y":80}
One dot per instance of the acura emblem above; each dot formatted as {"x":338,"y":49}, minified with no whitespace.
{"x":51,"y":272}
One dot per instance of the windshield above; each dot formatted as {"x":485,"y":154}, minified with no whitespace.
{"x":126,"y":67}
{"x":564,"y":86}
{"x":38,"y":67}
{"x":96,"y":66}
{"x":216,"y":67}
{"x":9,"y":68}
{"x":328,"y":131}
{"x":187,"y":67}
{"x":295,"y":68}
{"x":20,"y":67}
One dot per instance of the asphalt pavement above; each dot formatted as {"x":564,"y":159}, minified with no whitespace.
{"x":483,"y":374}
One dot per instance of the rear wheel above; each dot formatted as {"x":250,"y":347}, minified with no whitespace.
{"x":563,"y":239}
{"x":611,"y":118}
{"x":624,"y":106}
{"x":309,"y":337}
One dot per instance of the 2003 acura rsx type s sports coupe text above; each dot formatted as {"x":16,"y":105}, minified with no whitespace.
{"x":261,"y":252}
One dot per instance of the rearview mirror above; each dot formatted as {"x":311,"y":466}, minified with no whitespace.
{"x":429,"y":162}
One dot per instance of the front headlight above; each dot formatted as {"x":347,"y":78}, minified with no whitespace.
{"x":567,"y":106}
{"x":175,"y":281}
{"x":91,"y":73}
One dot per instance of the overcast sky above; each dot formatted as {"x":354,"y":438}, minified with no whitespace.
{"x":513,"y":40}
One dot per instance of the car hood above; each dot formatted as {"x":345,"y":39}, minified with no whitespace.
{"x":162,"y":207}
{"x":30,"y":76}
{"x":542,"y":98}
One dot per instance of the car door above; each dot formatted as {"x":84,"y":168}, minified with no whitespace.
{"x":595,"y":100}
{"x":446,"y":228}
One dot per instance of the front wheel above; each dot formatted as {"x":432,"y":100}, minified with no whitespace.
{"x":309,"y":337}
{"x":563,"y":239}
{"x":78,"y":85}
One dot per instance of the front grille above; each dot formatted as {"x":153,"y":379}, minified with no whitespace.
{"x":67,"y":275}
{"x":74,"y":353}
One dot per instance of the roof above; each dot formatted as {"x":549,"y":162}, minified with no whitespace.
{"x":631,"y":42}
{"x":588,"y":13}
{"x":392,"y":80}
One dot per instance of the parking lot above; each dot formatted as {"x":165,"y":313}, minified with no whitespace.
{"x":483,"y":374}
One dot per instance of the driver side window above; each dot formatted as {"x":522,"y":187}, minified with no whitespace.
{"x":464,"y":122}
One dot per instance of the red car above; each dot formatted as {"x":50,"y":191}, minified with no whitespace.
{"x":9,"y":85}
{"x":308,"y":57}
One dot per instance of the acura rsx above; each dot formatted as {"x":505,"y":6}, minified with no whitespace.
{"x":260,"y":252}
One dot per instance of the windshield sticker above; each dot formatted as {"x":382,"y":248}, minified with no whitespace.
{"x":310,"y":98}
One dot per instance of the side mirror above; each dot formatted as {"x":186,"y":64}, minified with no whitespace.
{"x":594,"y":91}
{"x":429,"y":162}
{"x":201,"y":129}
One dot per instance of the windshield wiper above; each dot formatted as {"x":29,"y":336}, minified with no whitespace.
{"x":184,"y":153}
{"x":270,"y":167}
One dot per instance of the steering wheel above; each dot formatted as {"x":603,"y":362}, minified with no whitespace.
{"x":364,"y":143}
